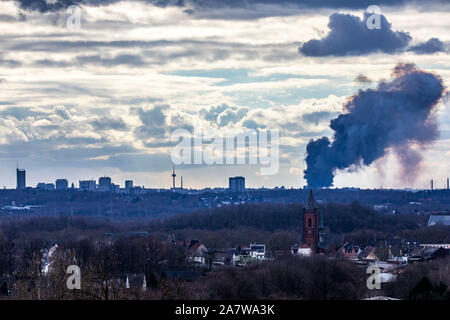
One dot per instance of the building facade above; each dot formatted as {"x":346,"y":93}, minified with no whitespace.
{"x":236,"y":184}
{"x":87,"y":185}
{"x":128,"y":184}
{"x":21,"y":180}
{"x":62,"y":184}
{"x":104,"y":184}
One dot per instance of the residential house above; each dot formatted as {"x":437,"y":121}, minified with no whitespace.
{"x":349,"y":251}
{"x":368,"y":254}
{"x":253,"y":253}
{"x":301,"y":250}
{"x":427,"y":253}
{"x":197,"y":252}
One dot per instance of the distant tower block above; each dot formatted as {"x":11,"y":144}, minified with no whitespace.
{"x":173,"y":177}
{"x":20,"y":177}
{"x":431,"y":182}
{"x":448,"y":185}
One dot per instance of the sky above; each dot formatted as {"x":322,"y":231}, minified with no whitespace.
{"x":103,"y":97}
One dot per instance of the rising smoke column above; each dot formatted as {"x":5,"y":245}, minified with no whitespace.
{"x":397,"y":114}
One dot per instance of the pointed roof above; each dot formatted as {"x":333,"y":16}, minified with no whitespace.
{"x":311,"y":204}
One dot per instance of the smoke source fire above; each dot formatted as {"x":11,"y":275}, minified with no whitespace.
{"x":397,"y":114}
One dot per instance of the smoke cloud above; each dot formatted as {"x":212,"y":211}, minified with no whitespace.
{"x":398,"y":114}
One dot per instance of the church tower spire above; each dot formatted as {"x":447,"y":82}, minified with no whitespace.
{"x":311,"y":204}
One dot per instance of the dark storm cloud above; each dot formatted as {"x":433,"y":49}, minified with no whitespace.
{"x":349,"y":35}
{"x":193,"y":5}
{"x":429,"y":47}
{"x":396,"y":114}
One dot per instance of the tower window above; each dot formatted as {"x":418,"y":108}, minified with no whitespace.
{"x":309,"y":222}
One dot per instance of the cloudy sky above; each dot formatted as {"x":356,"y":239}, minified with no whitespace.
{"x":103,"y":99}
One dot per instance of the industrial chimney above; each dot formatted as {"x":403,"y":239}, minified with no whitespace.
{"x":431,"y":184}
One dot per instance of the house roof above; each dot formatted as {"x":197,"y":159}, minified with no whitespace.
{"x":381,"y":298}
{"x":445,"y":220}
{"x":366,"y":252}
{"x":349,"y":246}
{"x":425,"y":252}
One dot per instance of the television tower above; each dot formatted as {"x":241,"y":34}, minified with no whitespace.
{"x":173,"y":177}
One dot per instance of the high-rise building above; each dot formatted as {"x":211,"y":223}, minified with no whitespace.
{"x":21,"y":181}
{"x":236,"y":184}
{"x":62,"y":184}
{"x":87,"y":185}
{"x":104,"y":184}
{"x":128,"y":184}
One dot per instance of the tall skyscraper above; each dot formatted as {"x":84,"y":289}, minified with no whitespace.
{"x":21,"y":181}
{"x":236,"y":184}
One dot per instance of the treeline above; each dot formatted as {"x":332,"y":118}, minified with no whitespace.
{"x":289,"y":277}
{"x":338,"y":218}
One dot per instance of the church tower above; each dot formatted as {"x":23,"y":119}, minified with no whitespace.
{"x":312,"y":232}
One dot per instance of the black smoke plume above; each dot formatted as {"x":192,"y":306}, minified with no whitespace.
{"x":398,"y":114}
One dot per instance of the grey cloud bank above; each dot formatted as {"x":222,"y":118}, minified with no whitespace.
{"x":349,"y":35}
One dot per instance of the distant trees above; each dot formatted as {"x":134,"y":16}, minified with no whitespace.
{"x":420,"y":281}
{"x":338,"y":218}
{"x":290,"y":277}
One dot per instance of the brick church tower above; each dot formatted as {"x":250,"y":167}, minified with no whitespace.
{"x":312,"y":235}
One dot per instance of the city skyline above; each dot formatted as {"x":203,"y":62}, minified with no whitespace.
{"x":236,"y":184}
